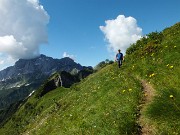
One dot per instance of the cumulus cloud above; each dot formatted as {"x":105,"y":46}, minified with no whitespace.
{"x":23,"y":28}
{"x":121,"y":32}
{"x":65,"y":54}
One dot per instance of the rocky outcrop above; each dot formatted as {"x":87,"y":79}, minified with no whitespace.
{"x":62,"y":79}
{"x":51,"y":84}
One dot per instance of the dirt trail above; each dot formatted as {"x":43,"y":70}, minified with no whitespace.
{"x":149,"y":93}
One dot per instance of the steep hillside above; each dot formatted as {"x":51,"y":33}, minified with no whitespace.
{"x":112,"y":100}
{"x":157,"y":59}
{"x":105,"y":102}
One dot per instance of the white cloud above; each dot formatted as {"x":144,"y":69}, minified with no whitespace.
{"x":121,"y":32}
{"x":1,"y":62}
{"x":23,"y":28}
{"x":65,"y":54}
{"x":6,"y":61}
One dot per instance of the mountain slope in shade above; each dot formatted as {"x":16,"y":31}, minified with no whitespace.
{"x":18,"y":81}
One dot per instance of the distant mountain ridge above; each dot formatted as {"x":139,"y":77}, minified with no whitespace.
{"x":18,"y":81}
{"x":43,"y":64}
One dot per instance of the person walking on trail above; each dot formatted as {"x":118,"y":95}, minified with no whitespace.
{"x":119,"y":58}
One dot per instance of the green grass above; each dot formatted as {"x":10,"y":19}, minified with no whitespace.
{"x":164,"y":63}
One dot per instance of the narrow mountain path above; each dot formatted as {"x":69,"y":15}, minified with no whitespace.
{"x":148,"y":95}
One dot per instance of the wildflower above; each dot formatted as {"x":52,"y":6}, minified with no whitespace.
{"x":171,"y":96}
{"x":171,"y":67}
{"x":152,"y":75}
{"x":130,"y":89}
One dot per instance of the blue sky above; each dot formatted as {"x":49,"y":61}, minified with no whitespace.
{"x":88,"y":30}
{"x":74,"y":24}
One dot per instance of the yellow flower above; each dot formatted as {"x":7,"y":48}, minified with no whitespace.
{"x":123,"y":91}
{"x":152,"y":75}
{"x":171,"y":67}
{"x":167,"y":65}
{"x":171,"y":96}
{"x":130,"y":89}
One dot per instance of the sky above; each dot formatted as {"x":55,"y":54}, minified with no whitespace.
{"x":88,"y":31}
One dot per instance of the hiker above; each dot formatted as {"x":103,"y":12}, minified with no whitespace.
{"x":119,"y":58}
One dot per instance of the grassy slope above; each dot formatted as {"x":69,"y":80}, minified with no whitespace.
{"x":106,"y":102}
{"x":103,"y":103}
{"x":160,"y":67}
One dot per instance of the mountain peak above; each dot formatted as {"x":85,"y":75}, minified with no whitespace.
{"x":67,"y":58}
{"x":42,"y":64}
{"x":42,"y":55}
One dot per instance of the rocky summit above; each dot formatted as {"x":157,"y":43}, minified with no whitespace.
{"x":42,"y":64}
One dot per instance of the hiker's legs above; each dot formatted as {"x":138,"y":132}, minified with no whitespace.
{"x":119,"y":63}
